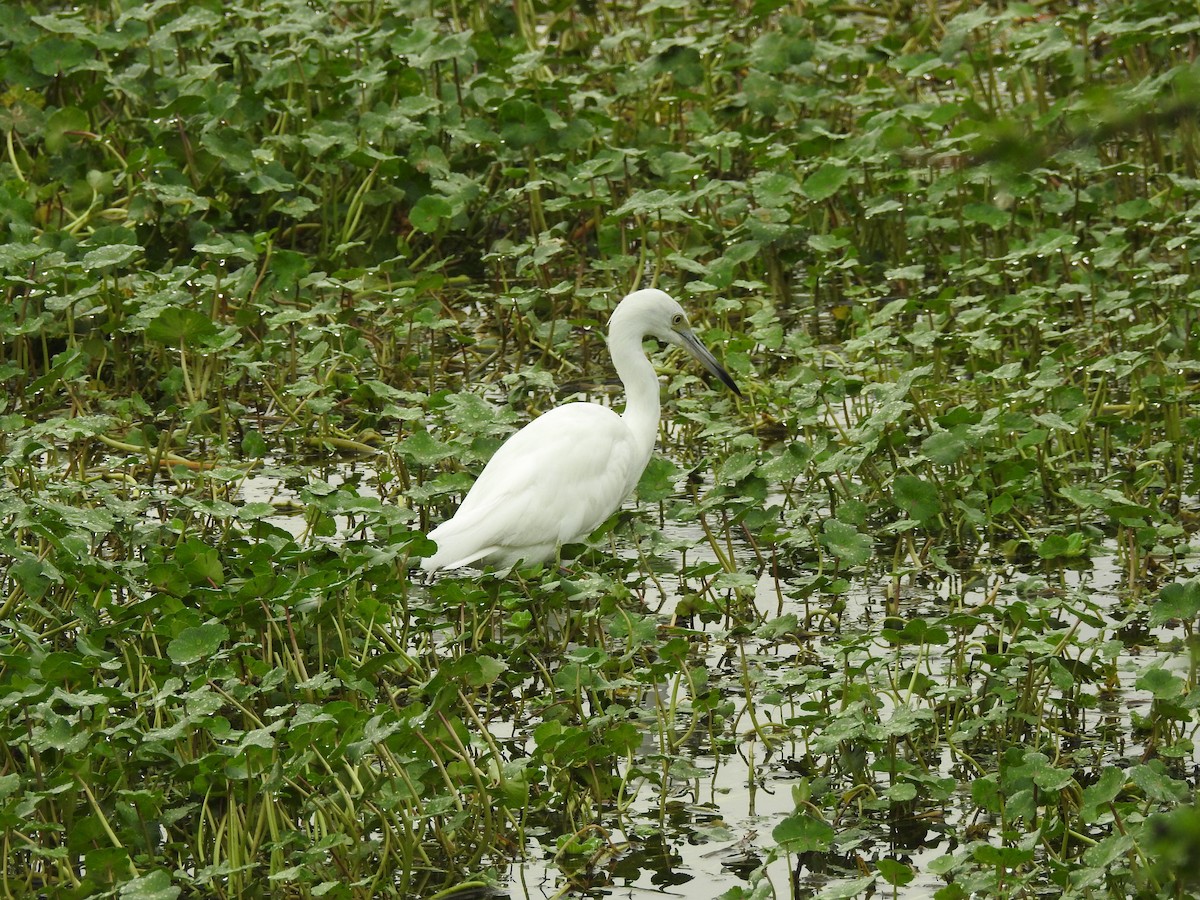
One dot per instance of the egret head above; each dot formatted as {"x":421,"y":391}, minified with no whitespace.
{"x":656,"y":314}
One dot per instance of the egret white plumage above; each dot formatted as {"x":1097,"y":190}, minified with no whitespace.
{"x":558,"y":478}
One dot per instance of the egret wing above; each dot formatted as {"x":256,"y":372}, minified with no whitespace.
{"x":552,"y":482}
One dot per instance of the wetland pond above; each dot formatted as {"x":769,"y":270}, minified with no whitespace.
{"x":837,"y":643}
{"x":858,"y":676}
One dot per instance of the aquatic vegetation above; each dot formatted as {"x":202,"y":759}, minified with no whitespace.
{"x":917,"y":614}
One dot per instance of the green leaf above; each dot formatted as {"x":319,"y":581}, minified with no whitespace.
{"x":1157,"y":785}
{"x":685,"y":65}
{"x":789,"y":463}
{"x":742,"y":252}
{"x":9,"y":784}
{"x":62,"y":121}
{"x":1178,"y":600}
{"x":902,"y":792}
{"x":60,"y":735}
{"x":774,"y":51}
{"x":945,"y":448}
{"x":475,"y":415}
{"x":845,"y":542}
{"x":986,"y":214}
{"x":775,"y":189}
{"x":231,"y":146}
{"x":1136,"y":209}
{"x":95,"y":520}
{"x":1049,"y":778}
{"x":825,"y":182}
{"x":827,"y":243}
{"x":177,"y":326}
{"x":200,"y":563}
{"x":110,"y":255}
{"x":985,"y":793}
{"x":917,"y":497}
{"x":636,"y":631}
{"x":1162,"y":684}
{"x":196,"y":643}
{"x":905,"y":273}
{"x":916,"y":632}
{"x":853,"y":511}
{"x":228,"y":246}
{"x":1085,"y":498}
{"x":737,"y":466}
{"x":254,"y":445}
{"x":429,"y":212}
{"x":1096,"y":797}
{"x":424,"y":449}
{"x":33,"y":575}
{"x":54,"y":55}
{"x":62,"y":23}
{"x":485,"y":670}
{"x":168,"y":578}
{"x":658,"y":481}
{"x":522,"y":124}
{"x":894,"y":872}
{"x":155,"y":885}
{"x":1054,"y":422}
{"x":803,"y":833}
{"x":1058,"y":546}
{"x":1108,"y":850}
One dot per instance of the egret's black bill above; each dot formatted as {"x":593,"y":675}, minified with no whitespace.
{"x":698,"y":350}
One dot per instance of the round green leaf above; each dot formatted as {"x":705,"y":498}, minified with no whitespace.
{"x":1048,"y":778}
{"x":154,"y":885}
{"x":802,"y":833}
{"x":825,"y":182}
{"x":945,"y":447}
{"x":197,"y":643}
{"x":54,"y":55}
{"x":61,"y":122}
{"x":894,"y":872}
{"x":429,"y":212}
{"x":658,"y":480}
{"x":917,"y":497}
{"x":846,"y":543}
{"x":109,"y":255}
{"x":986,"y":214}
{"x":685,"y":65}
{"x":1162,"y":684}
{"x":175,"y":327}
{"x":523,"y":124}
{"x":827,"y":243}
{"x":1178,"y":600}
{"x":1060,"y":546}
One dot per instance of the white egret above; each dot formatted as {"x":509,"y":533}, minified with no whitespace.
{"x":559,"y":477}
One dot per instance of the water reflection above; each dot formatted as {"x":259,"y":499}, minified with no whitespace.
{"x":961,"y":637}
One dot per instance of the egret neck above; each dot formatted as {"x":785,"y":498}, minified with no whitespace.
{"x":642,"y":405}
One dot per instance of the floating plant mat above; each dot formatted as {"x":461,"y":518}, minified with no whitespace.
{"x":737,"y":739}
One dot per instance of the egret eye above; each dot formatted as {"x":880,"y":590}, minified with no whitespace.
{"x":677,"y":319}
